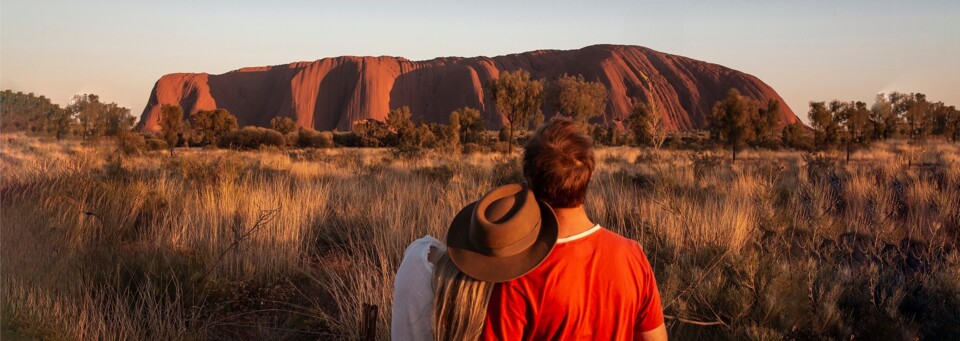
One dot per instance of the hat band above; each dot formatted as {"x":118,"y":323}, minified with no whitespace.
{"x":515,"y":247}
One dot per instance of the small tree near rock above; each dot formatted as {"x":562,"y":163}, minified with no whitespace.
{"x":577,"y":98}
{"x":518,"y":98}
{"x":646,"y":124}
{"x":284,"y":125}
{"x":731,"y":121}
{"x":171,"y":121}
{"x":211,"y":125}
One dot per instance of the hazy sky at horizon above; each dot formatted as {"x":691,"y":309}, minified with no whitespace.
{"x":811,"y":50}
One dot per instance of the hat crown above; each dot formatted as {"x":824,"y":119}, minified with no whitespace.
{"x":505,"y":219}
{"x":501,"y":210}
{"x":502,"y":236}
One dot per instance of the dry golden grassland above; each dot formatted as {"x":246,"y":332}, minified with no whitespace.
{"x":290,"y":244}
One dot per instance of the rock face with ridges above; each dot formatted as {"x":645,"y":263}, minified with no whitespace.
{"x":334,"y":93}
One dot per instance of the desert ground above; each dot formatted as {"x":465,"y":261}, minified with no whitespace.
{"x":271,"y":244}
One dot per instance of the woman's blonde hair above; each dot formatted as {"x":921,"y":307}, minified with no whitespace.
{"x":459,"y":302}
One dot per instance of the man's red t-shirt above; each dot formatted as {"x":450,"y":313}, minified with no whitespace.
{"x":596,"y":285}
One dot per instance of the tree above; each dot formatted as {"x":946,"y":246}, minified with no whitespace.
{"x":646,"y":123}
{"x":470,"y":124}
{"x":945,"y":120}
{"x":443,"y":136}
{"x":284,"y":125}
{"x":826,"y":128}
{"x":371,"y":132}
{"x":915,"y":109}
{"x":400,"y":122}
{"x":455,"y":129}
{"x":99,"y":119}
{"x":576,"y":98}
{"x":37,"y":114}
{"x":59,"y":122}
{"x":794,"y":136}
{"x":731,"y":121}
{"x":424,"y":137}
{"x":87,"y":108}
{"x":211,"y":125}
{"x":883,"y":122}
{"x":118,"y":119}
{"x":765,"y":124}
{"x":854,"y":117}
{"x":518,"y":98}
{"x":939,"y":113}
{"x":952,"y":123}
{"x":171,"y":122}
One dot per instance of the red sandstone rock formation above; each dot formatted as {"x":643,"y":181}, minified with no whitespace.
{"x":336,"y":92}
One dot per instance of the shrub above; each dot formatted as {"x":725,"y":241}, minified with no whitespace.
{"x":211,"y":125}
{"x":251,"y":138}
{"x":705,"y":163}
{"x":346,"y":139}
{"x":309,"y":138}
{"x":131,"y":143}
{"x":373,"y":133}
{"x":284,"y":125}
{"x":471,"y":148}
{"x":155,"y":144}
{"x":291,"y":138}
{"x":501,"y":147}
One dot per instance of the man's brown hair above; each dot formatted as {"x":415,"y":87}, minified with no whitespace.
{"x":558,"y":163}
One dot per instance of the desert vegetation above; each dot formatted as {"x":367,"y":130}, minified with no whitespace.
{"x":291,"y":243}
{"x":848,"y":228}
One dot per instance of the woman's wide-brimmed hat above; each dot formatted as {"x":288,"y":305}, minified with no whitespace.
{"x":502,"y":236}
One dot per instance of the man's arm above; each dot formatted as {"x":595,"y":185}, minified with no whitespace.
{"x":650,"y":324}
{"x":656,"y":334}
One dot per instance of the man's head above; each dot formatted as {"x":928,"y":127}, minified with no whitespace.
{"x":558,"y":163}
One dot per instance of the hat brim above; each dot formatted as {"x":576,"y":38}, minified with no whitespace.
{"x":499,"y":269}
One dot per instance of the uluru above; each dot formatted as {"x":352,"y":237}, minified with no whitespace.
{"x":334,"y":93}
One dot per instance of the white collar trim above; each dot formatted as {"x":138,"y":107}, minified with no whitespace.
{"x":593,"y":229}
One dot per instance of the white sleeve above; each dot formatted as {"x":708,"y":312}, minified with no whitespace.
{"x":413,"y":292}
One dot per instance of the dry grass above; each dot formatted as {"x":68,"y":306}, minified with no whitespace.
{"x":271,"y":244}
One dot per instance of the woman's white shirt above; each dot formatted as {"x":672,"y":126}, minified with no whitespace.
{"x":413,"y":292}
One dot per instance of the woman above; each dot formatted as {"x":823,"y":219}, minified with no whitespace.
{"x":441,"y":291}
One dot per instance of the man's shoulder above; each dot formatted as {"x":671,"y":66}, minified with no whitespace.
{"x":613,"y":239}
{"x":620,"y":250}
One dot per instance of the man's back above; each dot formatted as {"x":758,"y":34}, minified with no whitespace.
{"x":596,"y":285}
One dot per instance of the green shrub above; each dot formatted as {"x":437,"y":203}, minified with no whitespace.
{"x":309,"y":138}
{"x":131,"y":143}
{"x":251,"y":138}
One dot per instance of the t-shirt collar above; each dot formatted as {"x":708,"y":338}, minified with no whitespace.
{"x":593,"y":229}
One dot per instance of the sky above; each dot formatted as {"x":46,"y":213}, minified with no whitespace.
{"x":806,"y":50}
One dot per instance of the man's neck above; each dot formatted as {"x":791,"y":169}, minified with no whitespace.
{"x":572,"y":221}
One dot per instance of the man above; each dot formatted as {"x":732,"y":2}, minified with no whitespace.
{"x":595,"y":284}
